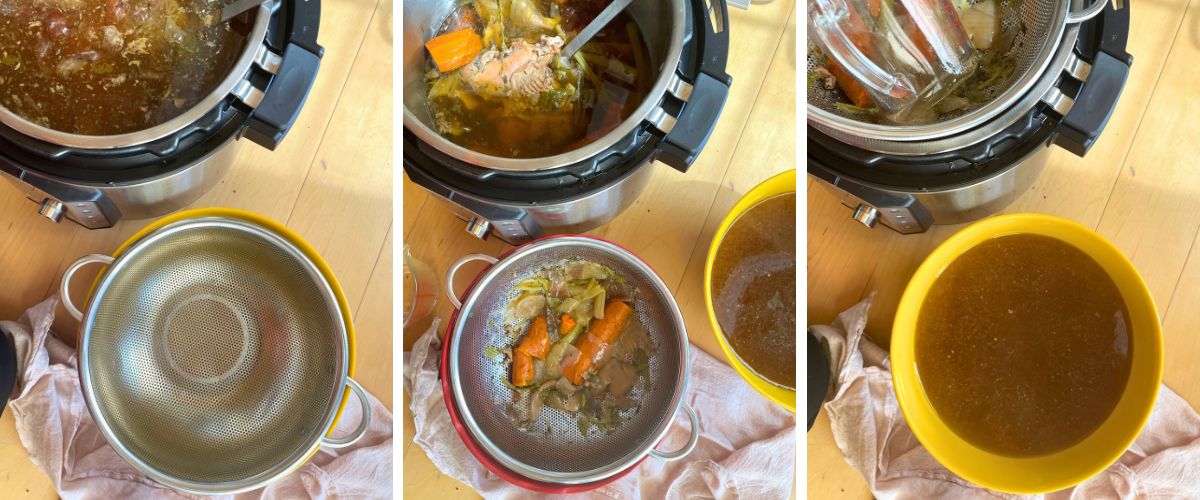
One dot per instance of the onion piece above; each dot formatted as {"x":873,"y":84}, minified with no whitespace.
{"x":530,"y":306}
{"x":981,"y":23}
{"x":535,"y":401}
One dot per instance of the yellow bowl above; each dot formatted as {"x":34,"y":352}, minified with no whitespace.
{"x":1065,"y":468}
{"x":779,"y":184}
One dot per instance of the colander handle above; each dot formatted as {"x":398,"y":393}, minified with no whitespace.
{"x":363,"y":423}
{"x":65,"y":292}
{"x":691,"y":444}
{"x":454,"y":269}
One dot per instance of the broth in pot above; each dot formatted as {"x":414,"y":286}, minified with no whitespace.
{"x":109,"y":67}
{"x":498,"y":84}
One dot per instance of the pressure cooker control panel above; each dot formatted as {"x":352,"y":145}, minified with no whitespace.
{"x":56,"y":201}
{"x":903,"y":214}
{"x":513,"y":226}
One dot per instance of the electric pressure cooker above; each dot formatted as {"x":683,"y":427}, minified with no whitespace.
{"x":522,"y":199}
{"x":1071,"y":66}
{"x":97,"y":180}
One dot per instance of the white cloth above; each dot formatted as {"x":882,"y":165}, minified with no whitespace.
{"x":747,"y":444}
{"x":63,"y":440}
{"x":1164,"y":461}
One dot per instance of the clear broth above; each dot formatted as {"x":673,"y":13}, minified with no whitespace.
{"x":1023,"y":345}
{"x":754,"y":288}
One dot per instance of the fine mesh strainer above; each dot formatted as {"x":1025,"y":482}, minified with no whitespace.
{"x":1036,"y":27}
{"x":552,"y":452}
{"x":214,"y":354}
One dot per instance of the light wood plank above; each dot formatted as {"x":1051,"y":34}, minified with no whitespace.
{"x":829,"y":476}
{"x":373,"y":325}
{"x":1165,"y":183}
{"x":1150,"y":215}
{"x":19,"y":477}
{"x":29,"y":251}
{"x":345,"y":207}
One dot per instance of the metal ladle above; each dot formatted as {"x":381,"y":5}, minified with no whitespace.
{"x":585,"y":35}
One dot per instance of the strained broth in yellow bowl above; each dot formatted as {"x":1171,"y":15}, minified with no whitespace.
{"x":1023,"y":345}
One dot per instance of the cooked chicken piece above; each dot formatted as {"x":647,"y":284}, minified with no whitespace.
{"x":520,"y":72}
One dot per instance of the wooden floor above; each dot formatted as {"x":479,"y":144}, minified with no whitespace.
{"x":755,"y":139}
{"x":1137,"y":187}
{"x":331,"y":181}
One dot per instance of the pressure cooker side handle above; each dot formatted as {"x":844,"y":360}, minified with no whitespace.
{"x":714,"y":38}
{"x":284,"y":97}
{"x":701,"y":109}
{"x":1101,"y":90}
{"x":1094,"y":105}
{"x":695,"y":123}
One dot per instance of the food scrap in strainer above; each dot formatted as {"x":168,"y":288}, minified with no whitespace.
{"x":582,"y":351}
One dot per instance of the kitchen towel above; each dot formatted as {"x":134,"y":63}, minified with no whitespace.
{"x":1164,"y":461}
{"x":63,"y":440}
{"x":747,"y":444}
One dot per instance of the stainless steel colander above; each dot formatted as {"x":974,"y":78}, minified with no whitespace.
{"x":1039,"y":27}
{"x":552,"y":451}
{"x":214,"y":354}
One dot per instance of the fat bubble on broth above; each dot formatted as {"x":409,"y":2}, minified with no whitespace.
{"x":1023,"y":345}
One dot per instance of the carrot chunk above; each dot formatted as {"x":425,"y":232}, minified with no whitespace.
{"x":522,"y":369}
{"x":566,"y":324}
{"x":455,"y":49}
{"x":601,"y":333}
{"x":536,"y":343}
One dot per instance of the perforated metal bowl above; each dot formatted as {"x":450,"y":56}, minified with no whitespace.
{"x":551,"y":454}
{"x":214,"y":353}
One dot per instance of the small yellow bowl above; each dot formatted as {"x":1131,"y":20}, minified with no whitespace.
{"x":1065,"y":468}
{"x":779,"y":184}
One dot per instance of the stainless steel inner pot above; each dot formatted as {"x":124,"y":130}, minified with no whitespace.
{"x":662,"y":23}
{"x":255,"y":51}
{"x":1040,"y":27}
{"x":213,"y":355}
{"x":553,"y":450}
